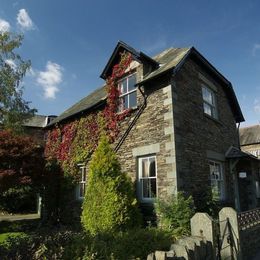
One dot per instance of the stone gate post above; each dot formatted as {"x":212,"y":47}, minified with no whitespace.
{"x":202,"y":225}
{"x":229,"y":234}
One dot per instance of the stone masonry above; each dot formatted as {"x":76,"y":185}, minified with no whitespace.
{"x":174,"y":127}
{"x":199,"y":137}
{"x":153,"y":134}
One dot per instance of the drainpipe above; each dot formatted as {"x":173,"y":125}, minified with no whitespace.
{"x":141,"y":109}
{"x":238,"y":136}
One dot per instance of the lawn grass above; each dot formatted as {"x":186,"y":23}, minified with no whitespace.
{"x":4,"y":236}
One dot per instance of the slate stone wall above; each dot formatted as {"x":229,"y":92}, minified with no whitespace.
{"x":152,"y":135}
{"x":198,"y":136}
{"x":174,"y":127}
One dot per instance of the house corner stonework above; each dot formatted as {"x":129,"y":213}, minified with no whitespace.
{"x":170,"y":160}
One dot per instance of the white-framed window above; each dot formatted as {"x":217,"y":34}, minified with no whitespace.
{"x":81,"y":187}
{"x":217,"y":180}
{"x":147,"y":178}
{"x":127,"y":98}
{"x":209,"y":101}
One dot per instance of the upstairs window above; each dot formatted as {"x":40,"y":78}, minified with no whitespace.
{"x":217,"y":180}
{"x":127,"y":98}
{"x":82,"y":182}
{"x":209,"y":102}
{"x":147,"y":173}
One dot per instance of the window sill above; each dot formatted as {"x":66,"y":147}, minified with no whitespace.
{"x":213,"y":119}
{"x":147,"y":201}
{"x":132,"y":109}
{"x":80,"y":199}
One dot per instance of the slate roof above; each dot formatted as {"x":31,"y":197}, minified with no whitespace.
{"x":36,"y":121}
{"x":170,"y":59}
{"x":96,"y":97}
{"x":250,"y":135}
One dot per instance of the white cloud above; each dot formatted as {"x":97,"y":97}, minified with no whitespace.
{"x":255,"y":48}
{"x":24,"y":20}
{"x":50,"y":79}
{"x":11,"y":63}
{"x":4,"y":26}
{"x":257,"y":106}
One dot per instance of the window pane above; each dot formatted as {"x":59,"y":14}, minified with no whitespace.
{"x":123,"y":86}
{"x":131,"y":82}
{"x":153,"y":188}
{"x":145,"y":167}
{"x":207,"y":95}
{"x":152,"y":169}
{"x":123,"y":103}
{"x":132,"y":100}
{"x":83,"y":174}
{"x":81,"y":189}
{"x":217,"y":183}
{"x":149,"y":188}
{"x":207,"y":109}
{"x":145,"y":188}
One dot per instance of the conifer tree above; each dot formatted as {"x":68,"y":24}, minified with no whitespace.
{"x":109,"y":203}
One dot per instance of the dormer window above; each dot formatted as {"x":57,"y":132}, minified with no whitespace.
{"x":127,"y":98}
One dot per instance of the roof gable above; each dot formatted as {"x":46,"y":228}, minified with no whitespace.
{"x":138,"y":56}
{"x":170,"y":60}
{"x":173,"y":59}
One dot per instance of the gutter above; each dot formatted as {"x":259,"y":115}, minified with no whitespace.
{"x":93,"y":107}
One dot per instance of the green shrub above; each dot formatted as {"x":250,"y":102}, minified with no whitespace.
{"x":43,"y":245}
{"x":67,"y":245}
{"x":205,"y":201}
{"x":174,"y":213}
{"x":18,"y":200}
{"x":109,"y":203}
{"x":132,"y":244}
{"x":26,"y":225}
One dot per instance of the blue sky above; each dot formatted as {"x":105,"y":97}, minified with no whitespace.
{"x":69,"y":42}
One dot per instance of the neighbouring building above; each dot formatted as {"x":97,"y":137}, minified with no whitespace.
{"x":250,"y":139}
{"x":181,"y":134}
{"x":35,"y":126}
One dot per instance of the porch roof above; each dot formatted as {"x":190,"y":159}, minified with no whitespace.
{"x":234,"y":152}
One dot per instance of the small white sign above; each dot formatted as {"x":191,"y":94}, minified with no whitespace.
{"x":242,"y":175}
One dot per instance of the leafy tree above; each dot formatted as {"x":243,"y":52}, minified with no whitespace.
{"x":21,"y":165}
{"x":109,"y":203}
{"x":14,"y":110}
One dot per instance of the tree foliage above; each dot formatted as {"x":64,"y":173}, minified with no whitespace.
{"x":21,"y":161}
{"x":14,"y":110}
{"x":109,"y":203}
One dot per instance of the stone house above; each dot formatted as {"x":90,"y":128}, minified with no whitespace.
{"x":182,"y":133}
{"x":34,"y":127}
{"x":250,"y":139}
